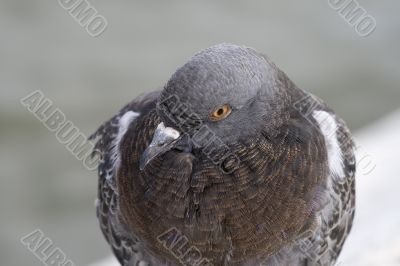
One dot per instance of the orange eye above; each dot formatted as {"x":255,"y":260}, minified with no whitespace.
{"x":221,"y":112}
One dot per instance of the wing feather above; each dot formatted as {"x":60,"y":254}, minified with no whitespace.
{"x":125,"y":246}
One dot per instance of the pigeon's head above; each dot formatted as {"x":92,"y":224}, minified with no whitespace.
{"x":222,"y":95}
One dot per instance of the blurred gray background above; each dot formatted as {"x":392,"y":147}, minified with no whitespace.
{"x":42,"y":47}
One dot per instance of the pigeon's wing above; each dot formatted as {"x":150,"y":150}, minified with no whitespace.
{"x":334,"y":220}
{"x":334,"y":205}
{"x":125,"y":246}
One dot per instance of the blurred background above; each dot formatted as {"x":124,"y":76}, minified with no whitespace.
{"x":42,"y":47}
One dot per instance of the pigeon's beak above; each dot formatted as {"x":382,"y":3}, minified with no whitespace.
{"x":164,"y":139}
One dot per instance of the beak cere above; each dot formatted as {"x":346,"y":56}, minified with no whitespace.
{"x":163,"y":140}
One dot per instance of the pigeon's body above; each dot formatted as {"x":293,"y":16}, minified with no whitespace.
{"x":284,"y":196}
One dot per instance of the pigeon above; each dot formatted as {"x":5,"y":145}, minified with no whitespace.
{"x":230,"y":163}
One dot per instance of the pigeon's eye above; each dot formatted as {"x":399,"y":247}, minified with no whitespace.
{"x":221,"y":112}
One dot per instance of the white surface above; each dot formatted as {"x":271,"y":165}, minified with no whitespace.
{"x":107,"y":262}
{"x":375,"y":237}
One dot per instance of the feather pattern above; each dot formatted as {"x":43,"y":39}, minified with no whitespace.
{"x":291,"y":201}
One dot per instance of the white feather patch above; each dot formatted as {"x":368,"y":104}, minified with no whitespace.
{"x":123,"y":125}
{"x":328,"y":126}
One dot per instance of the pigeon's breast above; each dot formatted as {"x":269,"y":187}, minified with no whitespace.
{"x":226,"y":217}
{"x":253,"y":211}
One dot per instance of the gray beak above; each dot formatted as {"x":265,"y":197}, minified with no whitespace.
{"x":163,"y":140}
